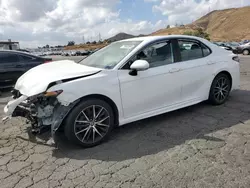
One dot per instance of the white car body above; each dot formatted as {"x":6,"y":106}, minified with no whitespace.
{"x":152,"y":92}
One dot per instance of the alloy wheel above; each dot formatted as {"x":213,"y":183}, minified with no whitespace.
{"x":221,"y":89}
{"x":92,"y":124}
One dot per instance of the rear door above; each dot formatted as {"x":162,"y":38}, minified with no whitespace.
{"x":10,"y":68}
{"x":197,"y":67}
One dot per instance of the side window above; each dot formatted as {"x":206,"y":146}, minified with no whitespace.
{"x":157,"y":54}
{"x":26,"y":58}
{"x":8,"y":58}
{"x":206,"y":50}
{"x":190,"y":50}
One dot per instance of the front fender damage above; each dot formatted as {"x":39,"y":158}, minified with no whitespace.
{"x":43,"y":113}
{"x":58,"y":116}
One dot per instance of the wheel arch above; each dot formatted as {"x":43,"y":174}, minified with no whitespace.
{"x":107,"y":100}
{"x":228,"y":74}
{"x":246,"y":49}
{"x":92,"y":96}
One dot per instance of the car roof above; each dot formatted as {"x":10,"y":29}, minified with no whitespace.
{"x":153,"y":38}
{"x":20,"y":53}
{"x":16,"y":51}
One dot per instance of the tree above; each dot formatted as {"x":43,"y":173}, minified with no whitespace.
{"x":71,"y":43}
{"x":199,"y":32}
{"x":88,"y":42}
{"x":47,"y":46}
{"x":94,"y":42}
{"x":188,"y":33}
{"x":168,"y":26}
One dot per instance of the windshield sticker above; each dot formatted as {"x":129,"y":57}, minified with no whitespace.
{"x":127,"y":46}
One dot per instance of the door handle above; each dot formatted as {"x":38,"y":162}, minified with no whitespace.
{"x":174,"y":70}
{"x":211,"y":62}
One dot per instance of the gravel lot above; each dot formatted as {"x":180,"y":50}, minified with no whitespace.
{"x":200,"y":146}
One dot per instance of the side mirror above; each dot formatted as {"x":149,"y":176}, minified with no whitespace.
{"x":138,"y":65}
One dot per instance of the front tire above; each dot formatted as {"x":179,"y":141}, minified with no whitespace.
{"x":220,"y":89}
{"x":89,"y":123}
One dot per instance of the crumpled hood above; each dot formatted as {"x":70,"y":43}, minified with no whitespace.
{"x":37,"y":79}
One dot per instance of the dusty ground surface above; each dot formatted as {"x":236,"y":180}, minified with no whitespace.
{"x":200,"y":146}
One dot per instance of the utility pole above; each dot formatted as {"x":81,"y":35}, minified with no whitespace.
{"x":83,"y":39}
{"x":100,"y":38}
{"x":10,"y":45}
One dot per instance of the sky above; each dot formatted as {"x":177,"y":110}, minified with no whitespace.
{"x":55,"y":22}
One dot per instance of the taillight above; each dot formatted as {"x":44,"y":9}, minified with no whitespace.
{"x":236,"y":58}
{"x":47,"y":61}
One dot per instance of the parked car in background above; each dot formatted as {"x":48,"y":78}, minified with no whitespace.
{"x":243,"y":49}
{"x":233,"y":45}
{"x":245,"y":41}
{"x":72,"y":53}
{"x":78,"y":53}
{"x":14,"y":63}
{"x":226,"y":46}
{"x":65,"y":53}
{"x":230,"y":46}
{"x":123,"y":82}
{"x":85,"y":52}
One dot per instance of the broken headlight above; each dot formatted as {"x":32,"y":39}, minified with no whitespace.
{"x":52,"y":93}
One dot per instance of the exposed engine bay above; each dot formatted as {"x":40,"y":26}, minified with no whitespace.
{"x":41,"y":111}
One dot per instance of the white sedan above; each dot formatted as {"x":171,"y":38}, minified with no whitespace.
{"x":126,"y":81}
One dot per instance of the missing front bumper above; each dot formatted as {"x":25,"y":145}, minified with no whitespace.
{"x":21,"y":108}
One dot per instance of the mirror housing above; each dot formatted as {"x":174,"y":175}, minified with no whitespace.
{"x":139,"y":65}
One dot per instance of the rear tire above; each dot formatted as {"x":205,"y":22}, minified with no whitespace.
{"x":246,"y":52}
{"x":220,"y":89}
{"x":89,"y":123}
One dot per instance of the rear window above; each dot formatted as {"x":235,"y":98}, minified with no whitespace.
{"x":206,"y":50}
{"x":8,"y":57}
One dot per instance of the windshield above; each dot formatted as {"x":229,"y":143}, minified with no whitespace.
{"x":110,"y":56}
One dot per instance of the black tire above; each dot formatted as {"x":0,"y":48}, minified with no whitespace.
{"x":246,"y":52}
{"x":71,"y":129}
{"x":215,"y":96}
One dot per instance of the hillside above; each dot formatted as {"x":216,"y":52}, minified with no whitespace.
{"x":222,"y":25}
{"x":120,"y":36}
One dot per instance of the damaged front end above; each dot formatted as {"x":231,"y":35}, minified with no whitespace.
{"x":42,"y":111}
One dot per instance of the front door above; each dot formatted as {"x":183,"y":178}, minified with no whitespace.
{"x":154,"y":88}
